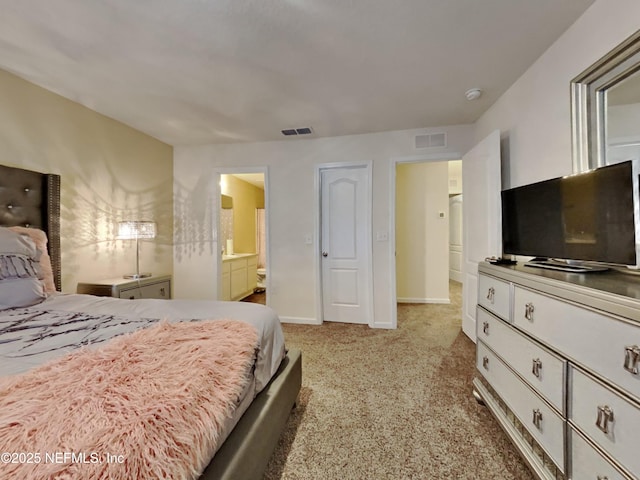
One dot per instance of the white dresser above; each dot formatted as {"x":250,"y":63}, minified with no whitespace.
{"x":558,"y":357}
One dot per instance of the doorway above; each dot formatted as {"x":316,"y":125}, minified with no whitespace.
{"x":424,"y":252}
{"x":345,"y":260}
{"x":481,"y":177}
{"x":243,"y":234}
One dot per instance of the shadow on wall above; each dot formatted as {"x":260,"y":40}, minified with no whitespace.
{"x":88,"y":219}
{"x":193,"y":219}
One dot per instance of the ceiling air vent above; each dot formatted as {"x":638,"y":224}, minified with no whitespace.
{"x":297,"y":131}
{"x":431,"y":140}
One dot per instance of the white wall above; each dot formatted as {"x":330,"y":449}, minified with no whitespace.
{"x":292,"y":206}
{"x":623,"y":122}
{"x":534,"y":114}
{"x":455,"y":177}
{"x":422,"y":236}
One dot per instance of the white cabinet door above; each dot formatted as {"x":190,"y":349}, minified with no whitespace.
{"x":238,"y":278}
{"x":252,"y":273}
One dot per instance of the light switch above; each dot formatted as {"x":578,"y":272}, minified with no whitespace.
{"x":382,"y":236}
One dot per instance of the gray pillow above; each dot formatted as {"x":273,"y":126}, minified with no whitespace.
{"x":19,"y":283}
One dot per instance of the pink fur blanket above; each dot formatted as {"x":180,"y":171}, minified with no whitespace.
{"x":146,"y":405}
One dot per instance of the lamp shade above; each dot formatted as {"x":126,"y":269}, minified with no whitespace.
{"x":135,"y":229}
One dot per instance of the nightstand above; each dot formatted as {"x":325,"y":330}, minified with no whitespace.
{"x":156,"y":286}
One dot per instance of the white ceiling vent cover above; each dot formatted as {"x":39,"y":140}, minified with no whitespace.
{"x":431,"y":140}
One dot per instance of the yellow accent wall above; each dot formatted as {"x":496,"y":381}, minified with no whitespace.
{"x":246,"y":198}
{"x":109,"y":172}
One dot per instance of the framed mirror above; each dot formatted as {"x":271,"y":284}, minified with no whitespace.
{"x":605,"y":109}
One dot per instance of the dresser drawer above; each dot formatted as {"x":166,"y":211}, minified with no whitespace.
{"x":543,"y":370}
{"x":587,"y":337}
{"x":588,"y":463}
{"x":538,"y":418}
{"x":494,"y":295}
{"x":607,"y":418}
{"x":161,"y":290}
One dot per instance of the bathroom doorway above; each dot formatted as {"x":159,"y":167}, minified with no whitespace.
{"x":243,"y":235}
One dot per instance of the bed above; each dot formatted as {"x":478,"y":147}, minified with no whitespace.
{"x":32,"y":199}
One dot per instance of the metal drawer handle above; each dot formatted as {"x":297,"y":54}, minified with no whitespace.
{"x":631,"y":358}
{"x":162,"y":291}
{"x":528,"y":311}
{"x":485,"y":363}
{"x":491,"y":294}
{"x":537,"y":418}
{"x":605,"y":415}
{"x":537,"y":366}
{"x":600,"y":477}
{"x":485,"y":327}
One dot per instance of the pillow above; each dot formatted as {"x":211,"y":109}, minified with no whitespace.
{"x":46,"y":270}
{"x":19,"y":271}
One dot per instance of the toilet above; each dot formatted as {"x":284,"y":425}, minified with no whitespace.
{"x":262,"y":280}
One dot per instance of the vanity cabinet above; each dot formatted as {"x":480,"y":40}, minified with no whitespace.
{"x":239,"y":275}
{"x":557,"y":360}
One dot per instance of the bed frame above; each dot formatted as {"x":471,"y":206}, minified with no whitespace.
{"x":32,"y":199}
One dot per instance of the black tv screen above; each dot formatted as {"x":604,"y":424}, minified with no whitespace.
{"x":587,"y":217}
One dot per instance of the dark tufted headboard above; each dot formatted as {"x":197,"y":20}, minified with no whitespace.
{"x":32,"y":199}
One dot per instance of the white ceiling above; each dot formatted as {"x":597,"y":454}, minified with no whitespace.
{"x":221,"y":71}
{"x":255,"y":179}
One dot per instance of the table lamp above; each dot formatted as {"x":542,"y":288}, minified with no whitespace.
{"x":135,"y":230}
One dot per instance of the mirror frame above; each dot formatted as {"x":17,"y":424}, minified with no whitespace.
{"x":589,"y":102}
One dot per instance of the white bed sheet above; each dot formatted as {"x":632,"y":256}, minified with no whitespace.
{"x":264,"y":319}
{"x":23,"y":349}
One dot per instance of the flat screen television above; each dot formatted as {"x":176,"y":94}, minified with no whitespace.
{"x":587,"y":217}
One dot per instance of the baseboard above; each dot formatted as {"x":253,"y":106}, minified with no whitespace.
{"x":455,"y":276}
{"x":300,"y":320}
{"x":423,"y":300}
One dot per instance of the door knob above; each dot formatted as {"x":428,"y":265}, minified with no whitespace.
{"x":324,"y":254}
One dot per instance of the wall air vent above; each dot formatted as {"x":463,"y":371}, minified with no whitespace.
{"x":431,"y":140}
{"x":297,"y":131}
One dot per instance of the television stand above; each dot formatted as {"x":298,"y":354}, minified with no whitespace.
{"x":564,"y":267}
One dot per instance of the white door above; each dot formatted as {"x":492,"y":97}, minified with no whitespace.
{"x":455,"y":238}
{"x":482,"y":227}
{"x":345,"y":244}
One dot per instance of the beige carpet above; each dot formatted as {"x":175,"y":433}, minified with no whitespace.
{"x":391,"y":404}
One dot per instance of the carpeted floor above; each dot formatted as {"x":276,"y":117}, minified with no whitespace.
{"x":391,"y":404}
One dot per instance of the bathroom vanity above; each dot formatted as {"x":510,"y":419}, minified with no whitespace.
{"x":239,"y":275}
